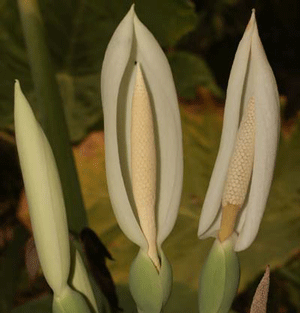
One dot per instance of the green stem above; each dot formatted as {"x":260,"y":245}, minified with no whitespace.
{"x":50,"y":107}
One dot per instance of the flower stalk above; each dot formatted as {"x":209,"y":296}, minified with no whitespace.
{"x":51,"y":110}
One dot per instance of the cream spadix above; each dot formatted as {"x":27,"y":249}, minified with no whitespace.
{"x":143,"y":163}
{"x":239,"y":172}
{"x":133,"y":44}
{"x":251,"y":82}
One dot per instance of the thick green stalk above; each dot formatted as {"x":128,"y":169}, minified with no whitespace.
{"x":50,"y":107}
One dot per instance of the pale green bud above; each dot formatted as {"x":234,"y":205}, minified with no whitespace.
{"x":80,"y":281}
{"x":219,"y":278}
{"x":70,"y":301}
{"x":150,"y":288}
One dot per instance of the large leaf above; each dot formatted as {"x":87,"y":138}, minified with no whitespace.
{"x":78,"y":32}
{"x":279,"y":232}
{"x":191,"y":71}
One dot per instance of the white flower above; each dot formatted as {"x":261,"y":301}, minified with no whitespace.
{"x":243,"y":171}
{"x":47,"y":212}
{"x":143,"y":141}
{"x":44,"y":195}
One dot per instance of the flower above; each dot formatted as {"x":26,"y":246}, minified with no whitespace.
{"x":44,"y":195}
{"x":47,"y":212}
{"x":243,"y":171}
{"x":143,"y":150}
{"x":134,"y":60}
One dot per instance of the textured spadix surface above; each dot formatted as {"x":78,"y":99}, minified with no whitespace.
{"x":143,"y":163}
{"x":250,"y":77}
{"x":240,"y":167}
{"x":132,"y":43}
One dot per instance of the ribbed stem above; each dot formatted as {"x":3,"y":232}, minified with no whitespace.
{"x":50,"y":107}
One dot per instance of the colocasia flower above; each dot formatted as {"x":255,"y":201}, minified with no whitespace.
{"x":241,"y":179}
{"x":143,"y":147}
{"x":242,"y":176}
{"x":47,"y":212}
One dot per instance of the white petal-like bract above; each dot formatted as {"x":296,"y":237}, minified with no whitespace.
{"x":130,"y":44}
{"x":44,"y":195}
{"x":251,"y":77}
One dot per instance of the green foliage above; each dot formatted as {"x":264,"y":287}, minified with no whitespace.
{"x":43,"y":304}
{"x":78,"y":32}
{"x":279,"y":232}
{"x":277,"y":239}
{"x":191,"y":71}
{"x":168,"y":20}
{"x":10,"y":269}
{"x":77,"y":36}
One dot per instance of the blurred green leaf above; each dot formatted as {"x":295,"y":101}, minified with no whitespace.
{"x":10,"y":268}
{"x":78,"y":32}
{"x":168,"y":20}
{"x":191,"y":71}
{"x":43,"y":304}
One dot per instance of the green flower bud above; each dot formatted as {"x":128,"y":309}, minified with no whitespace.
{"x":70,"y":301}
{"x":150,"y":288}
{"x":219,"y":278}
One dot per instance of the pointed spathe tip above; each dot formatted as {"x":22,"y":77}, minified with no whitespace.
{"x":17,"y":86}
{"x":139,"y":75}
{"x":132,"y":7}
{"x":19,"y":98}
{"x":251,"y":22}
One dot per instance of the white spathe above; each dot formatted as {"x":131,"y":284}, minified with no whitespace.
{"x":44,"y":195}
{"x":130,"y":44}
{"x":251,"y":76}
